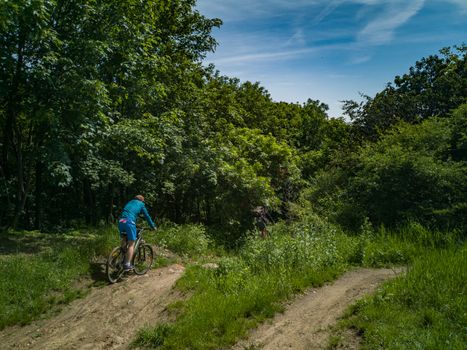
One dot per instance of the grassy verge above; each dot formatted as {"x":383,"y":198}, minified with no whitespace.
{"x":187,"y":241}
{"x":38,"y":271}
{"x":385,"y":248}
{"x":425,"y":308}
{"x":250,"y":285}
{"x":422,"y":310}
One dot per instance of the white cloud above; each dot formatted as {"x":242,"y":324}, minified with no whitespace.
{"x":370,"y":2}
{"x":240,"y":10}
{"x":297,"y":39}
{"x":263,"y":56}
{"x":232,"y":10}
{"x":270,"y":55}
{"x":315,"y":48}
{"x":380,"y":30}
{"x":361,"y":59}
{"x":327,"y":11}
{"x":377,"y":30}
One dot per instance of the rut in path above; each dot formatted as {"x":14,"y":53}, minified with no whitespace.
{"x":107,"y":318}
{"x":305,"y":323}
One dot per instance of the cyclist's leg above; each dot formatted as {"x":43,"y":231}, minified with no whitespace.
{"x":131,"y":237}
{"x":128,"y":234}
{"x":130,"y":252}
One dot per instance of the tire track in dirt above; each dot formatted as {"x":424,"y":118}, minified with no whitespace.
{"x":107,"y":318}
{"x":305,"y":323}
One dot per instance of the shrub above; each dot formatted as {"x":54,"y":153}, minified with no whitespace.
{"x":188,"y":240}
{"x":249,"y":287}
{"x":413,"y":173}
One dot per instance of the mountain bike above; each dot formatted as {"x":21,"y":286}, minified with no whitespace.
{"x":142,"y":258}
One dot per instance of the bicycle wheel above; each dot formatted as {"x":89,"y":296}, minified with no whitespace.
{"x":144,"y":257}
{"x":114,"y":266}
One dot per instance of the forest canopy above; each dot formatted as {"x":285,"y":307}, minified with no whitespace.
{"x":100,"y":101}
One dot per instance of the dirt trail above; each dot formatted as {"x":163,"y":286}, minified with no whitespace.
{"x":305,"y":323}
{"x":107,"y":318}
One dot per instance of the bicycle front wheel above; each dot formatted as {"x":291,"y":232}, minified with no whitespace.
{"x":114,"y":266}
{"x":144,"y":256}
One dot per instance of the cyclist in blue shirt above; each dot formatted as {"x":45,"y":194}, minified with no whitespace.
{"x":127,"y":224}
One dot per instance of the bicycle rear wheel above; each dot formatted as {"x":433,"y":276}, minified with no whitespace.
{"x":114,"y":266}
{"x":144,"y":256}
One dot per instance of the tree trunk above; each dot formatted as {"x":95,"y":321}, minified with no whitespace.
{"x":207,"y":204}
{"x":38,"y":196}
{"x":87,"y":201}
{"x":110,"y":217}
{"x":20,"y":184}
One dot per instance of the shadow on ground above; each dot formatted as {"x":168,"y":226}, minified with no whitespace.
{"x":98,"y":274}
{"x":25,"y":244}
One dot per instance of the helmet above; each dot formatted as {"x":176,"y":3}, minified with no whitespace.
{"x":140,"y":197}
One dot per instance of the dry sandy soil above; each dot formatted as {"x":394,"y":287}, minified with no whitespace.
{"x":109,"y":317}
{"x":306,"y":321}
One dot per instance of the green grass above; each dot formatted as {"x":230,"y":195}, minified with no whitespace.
{"x":252,"y":283}
{"x":250,"y":286}
{"x":38,"y":271}
{"x":384,"y":248}
{"x":425,"y":309}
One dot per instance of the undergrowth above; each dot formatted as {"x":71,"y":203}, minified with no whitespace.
{"x":425,"y":309}
{"x":243,"y":287}
{"x":250,"y":285}
{"x":38,"y":270}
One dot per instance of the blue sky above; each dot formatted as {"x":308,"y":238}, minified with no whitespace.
{"x":329,"y":50}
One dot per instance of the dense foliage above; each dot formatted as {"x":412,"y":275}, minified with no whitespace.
{"x":433,"y":87}
{"x":412,"y":173}
{"x":100,"y":101}
{"x":103,"y":100}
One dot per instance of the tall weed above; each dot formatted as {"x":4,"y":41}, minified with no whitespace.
{"x":249,"y":286}
{"x":388,"y":247}
{"x":423,"y":310}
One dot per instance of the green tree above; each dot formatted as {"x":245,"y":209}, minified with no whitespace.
{"x":408,"y":175}
{"x":71,"y":72}
{"x":434,"y":86}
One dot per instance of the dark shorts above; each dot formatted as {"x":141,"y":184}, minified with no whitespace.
{"x":128,"y":227}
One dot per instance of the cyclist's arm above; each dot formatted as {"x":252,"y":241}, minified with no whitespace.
{"x":148,"y":218}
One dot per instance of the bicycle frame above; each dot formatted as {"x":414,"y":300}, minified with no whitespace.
{"x":116,"y":259}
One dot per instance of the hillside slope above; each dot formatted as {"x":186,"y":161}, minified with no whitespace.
{"x":107,"y":318}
